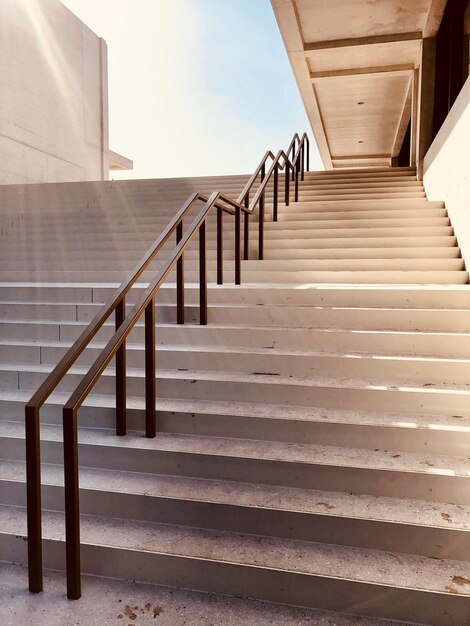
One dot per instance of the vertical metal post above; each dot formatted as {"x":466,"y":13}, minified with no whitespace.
{"x":150,"y":382}
{"x":72,"y":504}
{"x":246,"y":230}
{"x":238,"y":262}
{"x":308,"y":155}
{"x":179,"y":279}
{"x":121,"y":422}
{"x":296,"y":185}
{"x":287,"y":185}
{"x":292,"y":160}
{"x":220,"y":246}
{"x":202,"y":274}
{"x":261,"y":218}
{"x":275,"y":185}
{"x":33,"y":494}
{"x":302,"y":161}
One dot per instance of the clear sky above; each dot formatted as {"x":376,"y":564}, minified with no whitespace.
{"x":195,"y":86}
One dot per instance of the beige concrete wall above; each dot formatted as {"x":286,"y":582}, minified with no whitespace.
{"x":53,"y":95}
{"x":447,"y":168}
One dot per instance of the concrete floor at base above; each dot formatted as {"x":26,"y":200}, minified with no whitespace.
{"x":107,"y":602}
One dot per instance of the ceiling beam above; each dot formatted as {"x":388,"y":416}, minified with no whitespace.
{"x":361,"y":41}
{"x":356,"y":157}
{"x":397,"y":70}
{"x":434,"y":17}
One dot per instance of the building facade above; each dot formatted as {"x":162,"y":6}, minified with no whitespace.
{"x":53,"y":96}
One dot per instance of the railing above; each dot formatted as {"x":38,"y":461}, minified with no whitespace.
{"x":116,"y":346}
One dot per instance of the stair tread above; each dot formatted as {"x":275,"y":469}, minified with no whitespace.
{"x":404,"y":421}
{"x":456,"y":423}
{"x":294,"y":499}
{"x":266,"y":378}
{"x":243,"y":349}
{"x":253,"y":550}
{"x":377,"y":460}
{"x":222,"y":326}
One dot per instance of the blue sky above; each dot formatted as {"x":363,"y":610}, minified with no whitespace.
{"x":195,"y":86}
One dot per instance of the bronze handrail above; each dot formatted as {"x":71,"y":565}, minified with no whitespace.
{"x":117,"y":304}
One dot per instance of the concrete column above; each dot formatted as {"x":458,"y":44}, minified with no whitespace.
{"x":414,"y":116}
{"x":104,"y":110}
{"x":425,"y":100}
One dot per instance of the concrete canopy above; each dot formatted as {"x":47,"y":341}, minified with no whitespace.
{"x":354,"y":62}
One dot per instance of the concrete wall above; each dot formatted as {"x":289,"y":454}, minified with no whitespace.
{"x":53,"y":95}
{"x":447,"y":168}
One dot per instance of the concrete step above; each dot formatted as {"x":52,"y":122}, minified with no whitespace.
{"x":346,"y":317}
{"x":385,"y":223}
{"x":367,"y":278}
{"x":132,"y":256}
{"x":250,"y":565}
{"x":289,"y":213}
{"x":223,"y":357}
{"x":363,"y":192}
{"x":384,"y":296}
{"x":367,"y":522}
{"x":364,"y":253}
{"x":259,"y":271}
{"x":308,"y":466}
{"x":419,"y":343}
{"x":286,"y":220}
{"x":405,"y":432}
{"x":301,"y":266}
{"x":399,"y":182}
{"x":313,"y":391}
{"x":358,"y":241}
{"x":285,"y":231}
{"x":365,"y":205}
{"x":376,"y":275}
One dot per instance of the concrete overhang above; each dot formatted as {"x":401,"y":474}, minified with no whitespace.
{"x":354,"y":61}
{"x":119,"y":162}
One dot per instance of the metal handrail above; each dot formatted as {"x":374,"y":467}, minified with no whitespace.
{"x":116,"y":346}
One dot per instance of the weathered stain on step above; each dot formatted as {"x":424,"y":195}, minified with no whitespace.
{"x":265,"y":374}
{"x":130,"y":613}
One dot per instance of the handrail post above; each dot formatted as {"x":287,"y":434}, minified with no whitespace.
{"x":287,"y":185}
{"x":150,"y":383}
{"x":33,"y":493}
{"x":220,"y":246}
{"x":275,"y":185}
{"x":238,"y":261}
{"x":302,"y":161}
{"x":72,"y":505}
{"x":308,"y":155}
{"x":292,"y":159}
{"x":261,"y":219}
{"x":202,"y":274}
{"x":121,"y":421}
{"x":296,"y":185}
{"x":179,"y":278}
{"x":246,"y":229}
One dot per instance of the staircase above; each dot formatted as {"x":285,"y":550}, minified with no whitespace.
{"x":314,"y":437}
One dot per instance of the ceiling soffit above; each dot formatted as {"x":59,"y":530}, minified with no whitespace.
{"x":353,"y":61}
